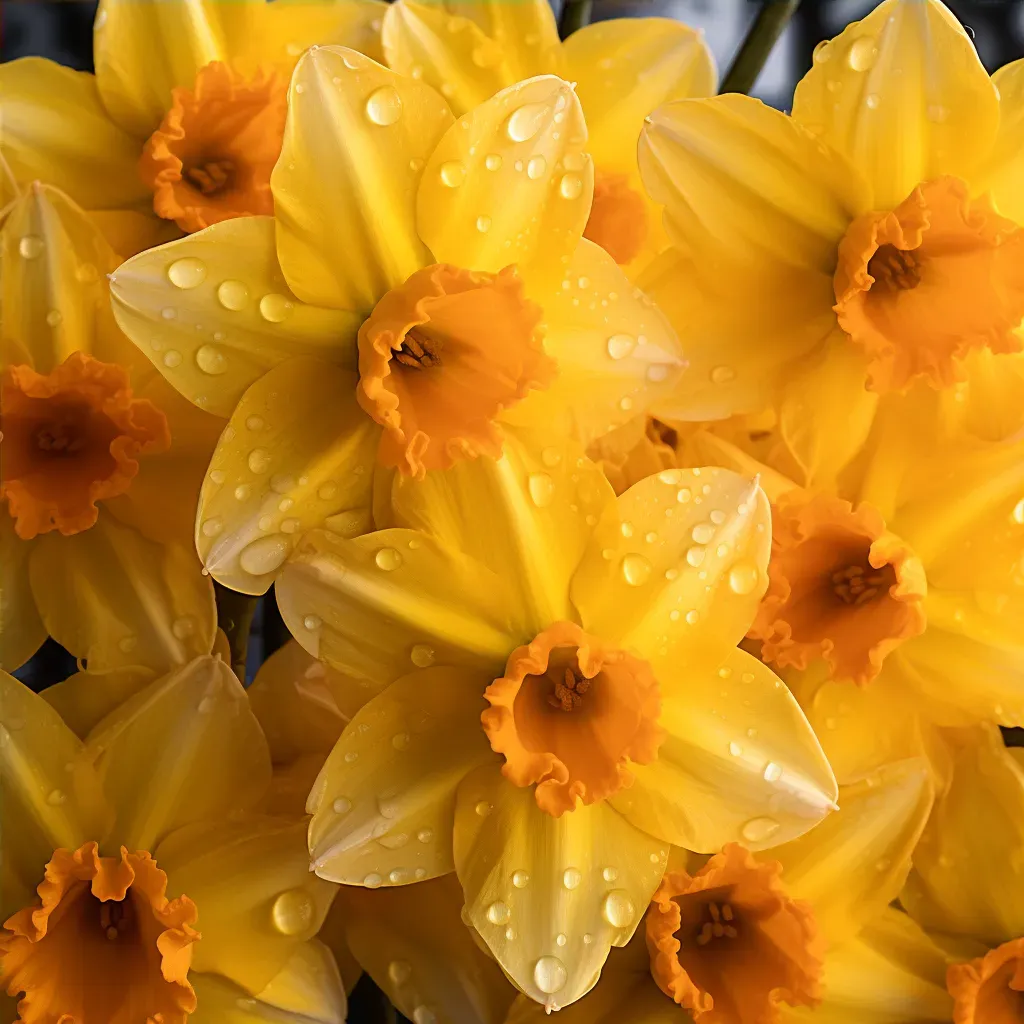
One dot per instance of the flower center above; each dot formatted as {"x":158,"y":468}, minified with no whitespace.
{"x":569,"y":715}
{"x":839,"y":587}
{"x":212,"y":155}
{"x":729,"y":940}
{"x":919,"y":287}
{"x":71,"y":438}
{"x":103,"y":943}
{"x":618,"y":217}
{"x":989,"y":990}
{"x":482,"y":338}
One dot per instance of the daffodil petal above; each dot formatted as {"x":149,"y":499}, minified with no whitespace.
{"x":297,"y":452}
{"x":86,"y":698}
{"x":21,"y":629}
{"x":379,"y":605}
{"x":526,"y":516}
{"x":511,"y":182}
{"x":129,"y":232}
{"x":384,"y":803}
{"x":451,"y":54}
{"x":739,"y":763}
{"x":415,"y":946}
{"x":346,"y":237}
{"x":213,"y":312}
{"x":253,"y":927}
{"x":624,"y":69}
{"x":201,"y":747}
{"x":1003,"y":172}
{"x":676,"y":568}
{"x":57,"y":130}
{"x":903,"y":95}
{"x":526,"y":31}
{"x":529,"y":877}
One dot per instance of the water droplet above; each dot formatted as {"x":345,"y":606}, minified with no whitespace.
{"x":275,"y":308}
{"x":327,"y":491}
{"x":735,"y":749}
{"x":536,"y":167}
{"x":312,"y":622}
{"x":31,"y":246}
{"x":695,"y":555}
{"x":453,"y":173}
{"x":232,"y":295}
{"x":282,"y":483}
{"x":400,"y":740}
{"x":862,"y":53}
{"x":212,"y":526}
{"x":127,"y":644}
{"x":492,"y":162}
{"x":692,"y":616}
{"x":636,"y":570}
{"x":55,"y":318}
{"x":683,"y":495}
{"x":520,"y":879}
{"x":373,"y":880}
{"x":211,"y":359}
{"x":702,"y":533}
{"x":823,"y":51}
{"x":384,"y":106}
{"x":542,"y":489}
{"x":388,"y":559}
{"x":618,"y":909}
{"x":483,"y":224}
{"x":399,"y":972}
{"x":217,"y":476}
{"x":620,"y":345}
{"x":483,"y":808}
{"x":242,"y":491}
{"x":351,"y":757}
{"x":571,"y":878}
{"x":259,"y":460}
{"x":57,"y":798}
{"x":549,"y":974}
{"x":772,"y":772}
{"x":571,"y":186}
{"x":293,"y":911}
{"x":423,"y":1015}
{"x":498,"y":913}
{"x":722,"y":374}
{"x":422,"y":655}
{"x":525,"y":122}
{"x":187,"y":273}
{"x":342,"y":805}
{"x":743,"y":577}
{"x":610,"y":874}
{"x":657,"y":372}
{"x":172,"y":358}
{"x":757,"y":830}
{"x":255,"y":422}
{"x":264,"y":555}
{"x":425,"y":835}
{"x":871,"y":101}
{"x":1018,"y":512}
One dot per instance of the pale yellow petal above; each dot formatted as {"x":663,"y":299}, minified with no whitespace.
{"x":213,"y":312}
{"x":415,"y":946}
{"x":903,"y":95}
{"x":184,"y":749}
{"x":384,"y":804}
{"x":21,"y":630}
{"x":258,"y":901}
{"x":86,"y":698}
{"x":529,"y":877}
{"x":527,"y":517}
{"x":1002,"y":175}
{"x":345,"y":237}
{"x":705,"y":448}
{"x":130,"y":231}
{"x":510,"y":183}
{"x":624,"y":69}
{"x":56,"y":130}
{"x":526,"y":32}
{"x":115,"y":599}
{"x":297,"y":451}
{"x":990,"y":405}
{"x":382,"y":604}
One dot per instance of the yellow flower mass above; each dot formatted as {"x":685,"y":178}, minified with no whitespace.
{"x":494,"y":526}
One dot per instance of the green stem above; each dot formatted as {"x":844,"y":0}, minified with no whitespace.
{"x":234,"y":616}
{"x":575,"y":14}
{"x":758,"y":44}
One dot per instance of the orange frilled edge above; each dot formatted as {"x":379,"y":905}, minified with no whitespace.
{"x":990,"y":989}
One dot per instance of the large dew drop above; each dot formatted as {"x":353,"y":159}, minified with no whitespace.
{"x":618,"y":909}
{"x":210,"y":359}
{"x":525,"y":122}
{"x":636,"y":570}
{"x":388,"y":559}
{"x":264,"y":555}
{"x":187,"y":273}
{"x":384,"y":106}
{"x":758,"y":830}
{"x":232,"y":295}
{"x":293,"y":912}
{"x":549,"y":974}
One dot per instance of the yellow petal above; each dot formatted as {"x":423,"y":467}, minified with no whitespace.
{"x":384,"y":803}
{"x":273,"y":905}
{"x":903,"y":95}
{"x":739,"y":763}
{"x":966,"y":870}
{"x":297,"y":451}
{"x":510,"y":183}
{"x":86,"y":698}
{"x":738,"y":176}
{"x":453,"y":55}
{"x":184,"y":749}
{"x":213,"y":312}
{"x":627,"y":67}
{"x":21,"y":630}
{"x":529,"y":877}
{"x":346,"y":237}
{"x":991,"y":403}
{"x":704,"y":448}
{"x":57,"y":130}
{"x":526,"y":32}
{"x":130,"y":231}
{"x":524,"y":516}
{"x":676,"y":568}
{"x":1002,"y":174}
{"x":115,"y":599}
{"x":143,"y":50}
{"x":855,"y":862}
{"x":415,"y":946}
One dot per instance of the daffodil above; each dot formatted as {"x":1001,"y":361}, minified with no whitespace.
{"x":420,"y":280}
{"x":140,"y":880}
{"x":868,"y":241}
{"x":566,"y":698}
{"x":622,"y":69}
{"x":101,"y":461}
{"x":182,"y":122}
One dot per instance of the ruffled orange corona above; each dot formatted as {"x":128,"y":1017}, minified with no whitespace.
{"x":839,"y":587}
{"x":212,"y":155}
{"x":439,"y":358}
{"x":729,"y":944}
{"x":989,"y":990}
{"x":71,"y":438}
{"x":569,"y":715}
{"x":919,"y":287}
{"x":618,"y":218}
{"x":104,"y":944}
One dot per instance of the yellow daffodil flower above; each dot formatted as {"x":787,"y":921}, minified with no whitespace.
{"x":419,"y":281}
{"x":565,"y":699}
{"x":182,"y":122}
{"x":101,"y":461}
{"x":965,"y":887}
{"x":139,"y":878}
{"x":868,"y":241}
{"x":622,"y":69}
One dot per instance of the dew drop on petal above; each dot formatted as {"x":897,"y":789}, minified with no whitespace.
{"x":823,"y":52}
{"x":259,"y":460}
{"x":722,"y":374}
{"x":293,"y":911}
{"x":618,"y":909}
{"x":610,"y":874}
{"x":743,"y":577}
{"x":187,"y":273}
{"x":211,"y":360}
{"x":399,"y":971}
{"x":702,"y":533}
{"x":525,"y":122}
{"x":423,"y":1015}
{"x":483,"y":224}
{"x":862,"y":53}
{"x":571,"y":878}
{"x":264,"y":555}
{"x":536,"y":167}
{"x":342,"y":805}
{"x":549,"y":974}
{"x":772,"y":772}
{"x":636,"y":570}
{"x":388,"y":559}
{"x":453,"y":173}
{"x":498,"y":913}
{"x":212,"y":527}
{"x":492,"y":162}
{"x":542,"y":489}
{"x":422,"y":655}
{"x":620,"y":345}
{"x":31,"y":246}
{"x":520,"y":879}
{"x":483,"y":808}
{"x":312,"y":622}
{"x":255,"y":422}
{"x":172,"y":358}
{"x":757,"y":830}
{"x":275,"y":308}
{"x":373,"y":880}
{"x":384,"y":106}
{"x":571,"y":186}
{"x":232,"y":295}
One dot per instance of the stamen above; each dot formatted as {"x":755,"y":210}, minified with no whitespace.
{"x":715,"y":929}
{"x":59,"y":437}
{"x":419,"y":351}
{"x":895,"y":268}
{"x":212,"y":177}
{"x":857,"y":585}
{"x":569,"y":690}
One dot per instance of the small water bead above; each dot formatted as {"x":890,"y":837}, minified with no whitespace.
{"x":293,"y":912}
{"x":695,"y":555}
{"x":55,"y":318}
{"x":217,"y":476}
{"x":312,"y":622}
{"x":571,"y":186}
{"x":620,"y":345}
{"x":275,"y":308}
{"x":722,"y":374}
{"x":373,"y":880}
{"x":264,"y":555}
{"x":498,"y":913}
{"x":871,"y":101}
{"x":525,"y":122}
{"x":422,"y":655}
{"x":211,"y":360}
{"x":31,"y":246}
{"x":757,"y":830}
{"x":57,"y":798}
{"x":86,"y":273}
{"x":232,"y":295}
{"x":127,"y":644}
{"x":702,"y":533}
{"x":187,"y":273}
{"x":259,"y":460}
{"x":571,"y":877}
{"x":242,"y":491}
{"x":618,"y":909}
{"x":772,"y":772}
{"x":492,"y":161}
{"x":520,"y":879}
{"x":549,"y":974}
{"x":823,"y":51}
{"x":388,"y":559}
{"x":536,"y":167}
{"x":399,"y":876}
{"x":423,"y":1015}
{"x":657,"y":372}
{"x":351,"y":757}
{"x":683,"y":495}
{"x":743,"y":577}
{"x":717,"y":516}
{"x":541,"y":488}
{"x":610,"y":874}
{"x":400,"y":740}
{"x":692,"y":617}
{"x":862,"y":53}
{"x":399,"y":972}
{"x":483,"y":808}
{"x":172,"y":358}
{"x":327,"y":491}
{"x":674,"y":615}
{"x":212,"y":527}
{"x":342,"y":805}
{"x":384,"y":106}
{"x":626,"y":529}
{"x":551,"y":457}
{"x":453,"y":173}
{"x":425,"y":835}
{"x":636,"y":570}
